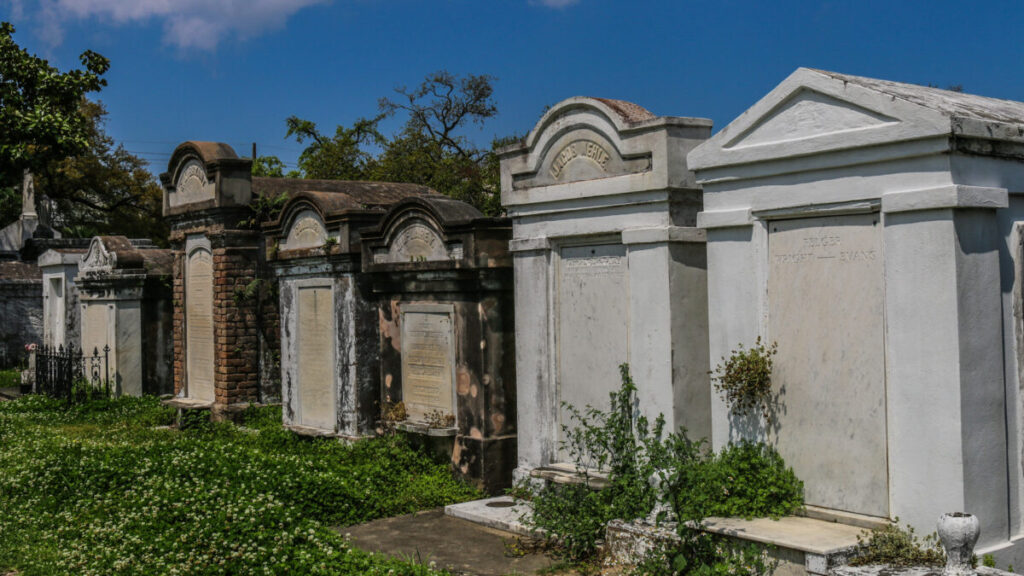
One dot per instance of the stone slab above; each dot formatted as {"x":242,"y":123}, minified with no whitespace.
{"x":794,"y":532}
{"x":317,"y":405}
{"x":500,"y":513}
{"x":199,"y":325}
{"x":427,"y":361}
{"x":882,"y":570}
{"x":826,"y":313}
{"x":432,"y":537}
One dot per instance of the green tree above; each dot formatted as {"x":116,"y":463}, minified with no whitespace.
{"x":39,"y":108}
{"x":103,"y":189}
{"x":430,"y":149}
{"x":340,"y":157}
{"x":268,"y":166}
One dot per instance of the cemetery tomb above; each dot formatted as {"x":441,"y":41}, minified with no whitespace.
{"x":441,"y":276}
{"x":61,"y":313}
{"x":125,"y":295}
{"x":872,"y":230}
{"x":329,"y":357}
{"x":609,"y":268}
{"x":225,"y":324}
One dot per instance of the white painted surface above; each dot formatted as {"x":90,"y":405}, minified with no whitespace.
{"x":317,"y":408}
{"x":199,"y":346}
{"x":825,"y":312}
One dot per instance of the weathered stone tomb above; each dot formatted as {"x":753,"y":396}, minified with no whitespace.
{"x":225,"y":328}
{"x":61,"y":317}
{"x":442,"y":278}
{"x":609,"y":268}
{"x":125,"y":294}
{"x":330,"y":370}
{"x":873,"y":230}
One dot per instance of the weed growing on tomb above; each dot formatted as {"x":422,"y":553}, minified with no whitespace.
{"x":744,"y":379}
{"x":650,"y":475}
{"x":103,"y":487}
{"x":900,"y":547}
{"x":439,"y":419}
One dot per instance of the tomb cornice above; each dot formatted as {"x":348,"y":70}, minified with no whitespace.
{"x":954,"y":196}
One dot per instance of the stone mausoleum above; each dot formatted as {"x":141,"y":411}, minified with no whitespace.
{"x":225,"y":332}
{"x":330,"y":370}
{"x":124,"y":288}
{"x":873,"y":230}
{"x":609,"y":269}
{"x":441,"y":275}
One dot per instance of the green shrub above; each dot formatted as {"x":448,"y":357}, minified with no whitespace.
{"x":644,"y":468}
{"x":744,"y":379}
{"x":899,"y":546}
{"x":747,"y":479}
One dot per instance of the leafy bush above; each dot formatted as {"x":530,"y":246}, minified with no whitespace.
{"x":94,"y":489}
{"x":747,"y":479}
{"x":899,"y":546}
{"x":744,"y":379}
{"x":10,"y":378}
{"x":645,"y":468}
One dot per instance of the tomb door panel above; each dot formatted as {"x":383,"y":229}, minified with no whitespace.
{"x":315,"y":343}
{"x":199,"y":343}
{"x":428,"y":360}
{"x":826,"y":312}
{"x":57,"y":312}
{"x":95,"y":327}
{"x":592,"y":336}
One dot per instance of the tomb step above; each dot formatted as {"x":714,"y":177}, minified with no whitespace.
{"x":500,"y":513}
{"x":568,"y":474}
{"x":802,"y":545}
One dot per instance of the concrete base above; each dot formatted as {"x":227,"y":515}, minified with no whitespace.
{"x":882,"y":570}
{"x":500,"y":513}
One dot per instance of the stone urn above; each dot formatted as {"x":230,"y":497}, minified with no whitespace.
{"x":959,"y":533}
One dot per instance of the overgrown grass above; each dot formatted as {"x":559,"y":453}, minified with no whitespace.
{"x":98,"y":489}
{"x":10,"y":378}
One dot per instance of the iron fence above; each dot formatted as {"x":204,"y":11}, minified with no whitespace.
{"x":69,"y":373}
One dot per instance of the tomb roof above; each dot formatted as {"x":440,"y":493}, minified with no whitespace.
{"x":118,"y":252}
{"x":332,"y":196}
{"x":14,"y":271}
{"x":949,"y":102}
{"x":827,"y":115}
{"x":628,"y":111}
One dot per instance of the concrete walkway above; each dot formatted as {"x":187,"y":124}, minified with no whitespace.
{"x":460,"y":546}
{"x":9,"y":393}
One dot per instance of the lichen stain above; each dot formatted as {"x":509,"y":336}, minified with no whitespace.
{"x":390,"y":325}
{"x":387,"y":380}
{"x":456,"y":453}
{"x":475,"y":432}
{"x":464,"y":381}
{"x":474,"y":390}
{"x":497,"y":422}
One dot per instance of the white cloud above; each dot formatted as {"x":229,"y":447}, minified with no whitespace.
{"x":188,"y":24}
{"x":554,"y":3}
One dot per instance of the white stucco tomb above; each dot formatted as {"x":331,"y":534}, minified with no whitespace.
{"x":125,"y":299}
{"x":61,"y":318}
{"x":873,"y":231}
{"x":609,"y":268}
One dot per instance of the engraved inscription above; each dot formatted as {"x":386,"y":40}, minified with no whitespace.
{"x":417,"y":243}
{"x":316,"y":358}
{"x":426,"y":363}
{"x":306,"y":231}
{"x":199,"y":325}
{"x":587,"y":149}
{"x":192,"y":185}
{"x":820,"y":245}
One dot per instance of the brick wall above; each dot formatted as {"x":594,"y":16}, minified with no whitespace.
{"x":236,"y":326}
{"x":178,"y":323}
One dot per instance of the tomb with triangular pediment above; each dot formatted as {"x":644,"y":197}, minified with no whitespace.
{"x":872,"y":230}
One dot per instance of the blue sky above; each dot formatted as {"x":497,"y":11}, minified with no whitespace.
{"x":233,"y":70}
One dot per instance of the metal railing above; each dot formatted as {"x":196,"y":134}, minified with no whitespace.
{"x":69,"y":373}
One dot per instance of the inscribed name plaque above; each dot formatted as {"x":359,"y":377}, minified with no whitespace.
{"x":826,"y":306}
{"x":316,"y":358}
{"x":427,"y":384}
{"x":199,"y":325}
{"x":95,"y":327}
{"x":593,"y":325}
